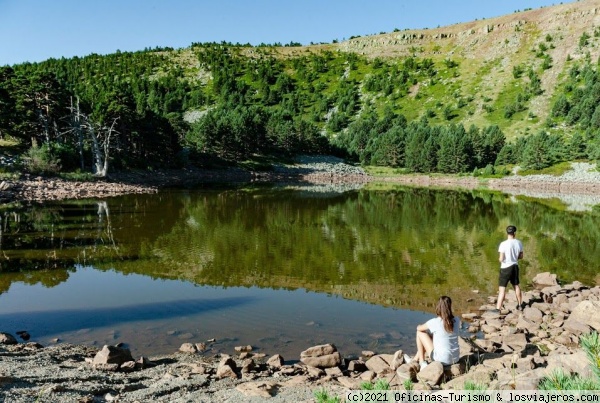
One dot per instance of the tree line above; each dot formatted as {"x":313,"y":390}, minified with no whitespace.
{"x":129,"y":109}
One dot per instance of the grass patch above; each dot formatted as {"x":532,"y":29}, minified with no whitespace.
{"x":554,"y":170}
{"x":321,"y":396}
{"x":385,"y":171}
{"x":78,"y":176}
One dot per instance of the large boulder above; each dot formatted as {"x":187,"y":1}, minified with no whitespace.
{"x":432,"y":373}
{"x":323,"y":356}
{"x":587,"y":312}
{"x":545,"y":279}
{"x":112,"y":355}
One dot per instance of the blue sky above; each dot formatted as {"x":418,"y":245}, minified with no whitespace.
{"x":35,"y":30}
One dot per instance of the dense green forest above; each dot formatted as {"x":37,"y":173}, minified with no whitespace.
{"x":220,"y":103}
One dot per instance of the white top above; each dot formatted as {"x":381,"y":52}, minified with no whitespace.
{"x":445,"y":345}
{"x":511,"y":249}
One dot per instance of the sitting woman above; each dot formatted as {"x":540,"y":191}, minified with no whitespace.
{"x":438,"y":337}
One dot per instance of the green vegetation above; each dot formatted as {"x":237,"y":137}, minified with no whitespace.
{"x":215,"y":104}
{"x":321,"y":396}
{"x":559,"y":380}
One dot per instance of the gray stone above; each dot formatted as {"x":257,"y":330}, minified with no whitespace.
{"x":533,"y":314}
{"x":248,"y":365}
{"x":575,"y":326}
{"x":226,"y":368}
{"x":243,"y":349}
{"x":576,"y":363}
{"x":276,"y":361}
{"x":432,"y":373}
{"x":378,"y":365}
{"x":516,"y":341}
{"x":112,"y":355}
{"x":357,"y":366}
{"x":545,"y":279}
{"x":325,"y":361}
{"x":319,"y":351}
{"x":587,"y":312}
{"x":188,"y":348}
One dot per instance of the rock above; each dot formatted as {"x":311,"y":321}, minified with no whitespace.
{"x":408,"y":371}
{"x":315,"y":372}
{"x":226,"y":368}
{"x":350,"y":383}
{"x":397,"y":360}
{"x":333,"y":372}
{"x":112,"y":355}
{"x":200,"y":346}
{"x":275,"y":361}
{"x":574,"y":326}
{"x":248,"y":365}
{"x":544,"y":280}
{"x":23,"y":334}
{"x":367,"y":354}
{"x":188,"y":348}
{"x":319,"y":351}
{"x":7,"y":338}
{"x":368,"y":376}
{"x":516,"y":341}
{"x":432,"y":373}
{"x":257,"y":389}
{"x":587,"y":312}
{"x":533,"y":314}
{"x":357,"y":366}
{"x":322,"y":356}
{"x":326,"y":361}
{"x":243,"y":349}
{"x":107,"y":367}
{"x":128,"y":366}
{"x":454,"y":370}
{"x":378,"y":365}
{"x":571,"y":363}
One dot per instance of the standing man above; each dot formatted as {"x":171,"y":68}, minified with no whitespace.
{"x":510,"y":251}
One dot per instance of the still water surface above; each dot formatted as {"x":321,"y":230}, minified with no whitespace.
{"x":278,"y":269}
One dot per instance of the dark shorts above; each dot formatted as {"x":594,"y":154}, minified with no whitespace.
{"x":509,"y":274}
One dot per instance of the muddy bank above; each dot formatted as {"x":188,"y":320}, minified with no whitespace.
{"x":512,"y":349}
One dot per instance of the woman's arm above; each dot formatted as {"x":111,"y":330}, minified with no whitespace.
{"x":422,"y":328}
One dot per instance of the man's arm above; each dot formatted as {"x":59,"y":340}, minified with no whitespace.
{"x":521,"y":255}
{"x":501,"y":258}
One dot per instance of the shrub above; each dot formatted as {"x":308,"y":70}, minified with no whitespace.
{"x":41,"y":160}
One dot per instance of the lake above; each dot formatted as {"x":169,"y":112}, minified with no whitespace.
{"x":278,"y":268}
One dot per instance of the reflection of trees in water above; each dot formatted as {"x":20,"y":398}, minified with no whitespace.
{"x":399,"y":247}
{"x":39,"y":242}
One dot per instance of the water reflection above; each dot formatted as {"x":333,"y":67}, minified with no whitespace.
{"x":395,"y":247}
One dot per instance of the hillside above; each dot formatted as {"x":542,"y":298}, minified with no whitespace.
{"x":414,"y":99}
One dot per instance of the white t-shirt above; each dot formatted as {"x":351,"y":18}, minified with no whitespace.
{"x":511,"y":248}
{"x":445,"y":345}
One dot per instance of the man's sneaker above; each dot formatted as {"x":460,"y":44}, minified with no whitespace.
{"x":520,"y":306}
{"x":407,"y":359}
{"x":495,"y":310}
{"x":423,"y":364}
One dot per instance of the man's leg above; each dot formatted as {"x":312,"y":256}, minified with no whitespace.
{"x":501,"y":295}
{"x":519,"y":295}
{"x":424,"y":345}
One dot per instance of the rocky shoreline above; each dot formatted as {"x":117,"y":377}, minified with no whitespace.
{"x":507,"y":350}
{"x":582,"y":180}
